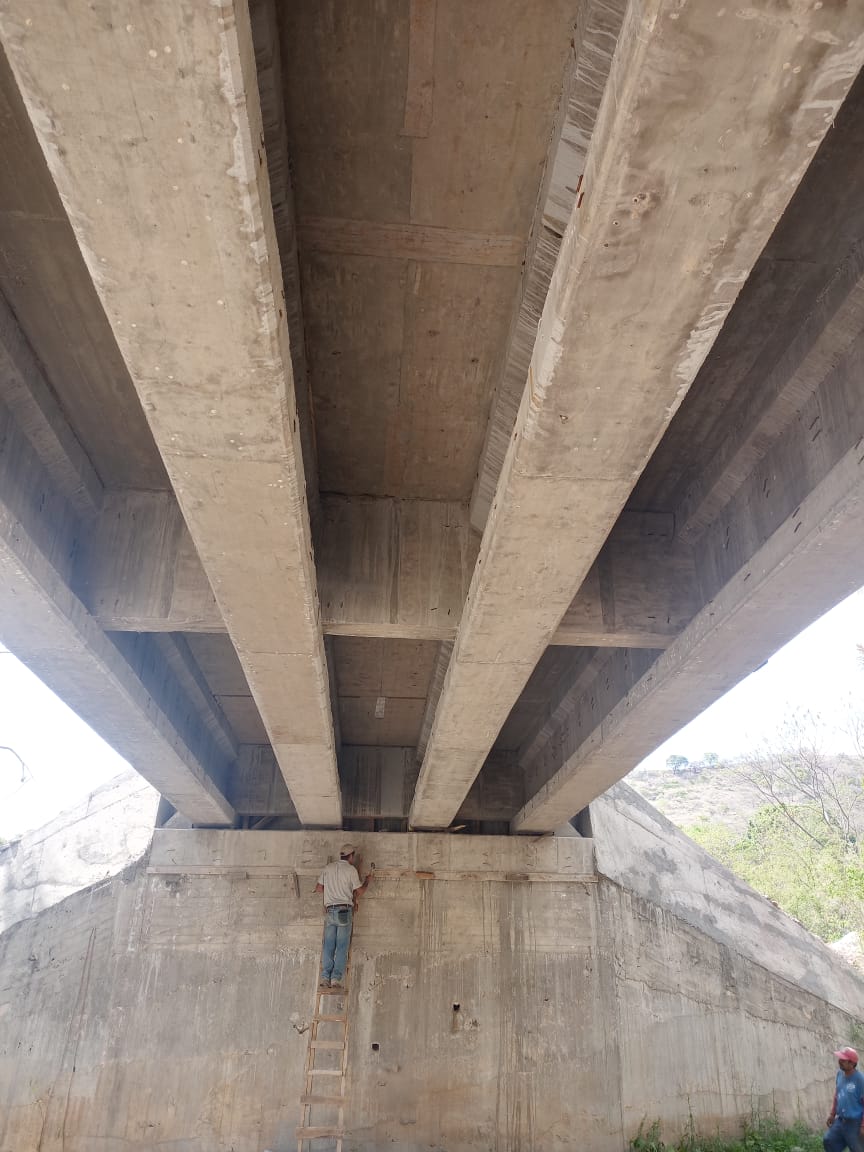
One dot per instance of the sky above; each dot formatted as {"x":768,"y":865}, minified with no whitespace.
{"x":64,"y":760}
{"x":818,"y":672}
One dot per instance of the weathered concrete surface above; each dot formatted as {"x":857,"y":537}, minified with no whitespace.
{"x":100,"y":837}
{"x":170,"y":1007}
{"x":638,"y":849}
{"x":429,"y":146}
{"x":396,"y":568}
{"x":597,"y":25}
{"x":672,"y":222}
{"x":141,"y":711}
{"x":785,"y":549}
{"x":173,"y":216}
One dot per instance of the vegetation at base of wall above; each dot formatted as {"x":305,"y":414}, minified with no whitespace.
{"x":762,"y":1134}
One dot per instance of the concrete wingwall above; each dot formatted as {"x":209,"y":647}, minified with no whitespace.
{"x":504,"y":995}
{"x":638,"y":849}
{"x":102,"y":835}
{"x":96,"y":839}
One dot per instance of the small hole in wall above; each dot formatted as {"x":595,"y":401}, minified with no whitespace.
{"x":456,"y":1007}
{"x":375,"y":1047}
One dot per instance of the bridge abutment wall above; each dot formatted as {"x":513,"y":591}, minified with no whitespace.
{"x":503,"y":994}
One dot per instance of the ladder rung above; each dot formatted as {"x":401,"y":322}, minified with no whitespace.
{"x":318,"y":1133}
{"x":332,"y":1019}
{"x":330,"y":1045}
{"x":312,"y":1099}
{"x":324,"y":1072}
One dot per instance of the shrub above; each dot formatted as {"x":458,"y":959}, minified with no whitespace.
{"x":762,"y":1134}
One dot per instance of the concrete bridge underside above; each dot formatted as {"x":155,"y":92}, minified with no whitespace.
{"x":412,"y":413}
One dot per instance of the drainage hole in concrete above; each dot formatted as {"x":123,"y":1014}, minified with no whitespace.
{"x":456,"y":1007}
{"x":375,"y":1047}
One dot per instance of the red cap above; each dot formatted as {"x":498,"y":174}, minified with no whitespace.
{"x":847,"y":1054}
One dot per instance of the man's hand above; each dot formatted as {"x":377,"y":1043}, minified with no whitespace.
{"x":829,"y":1121}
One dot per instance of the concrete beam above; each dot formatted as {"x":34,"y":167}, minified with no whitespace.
{"x":419,"y":242}
{"x":268,"y":61}
{"x":140,"y":572}
{"x":598,"y":23}
{"x":173,"y":216}
{"x":389,"y":568}
{"x":176,"y":654}
{"x":566,"y":697}
{"x":764,"y":410}
{"x":397,"y":568}
{"x":639,"y":593}
{"x":436,"y":686}
{"x":386,"y":568}
{"x":142,"y":713}
{"x":785,"y":549}
{"x":653,"y":258}
{"x":377,"y":783}
{"x":28,"y":396}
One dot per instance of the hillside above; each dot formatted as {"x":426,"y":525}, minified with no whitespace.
{"x":699,"y":794}
{"x":712,"y":791}
{"x":790,"y":823}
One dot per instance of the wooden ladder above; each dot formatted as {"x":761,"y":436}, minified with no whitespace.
{"x":313,"y":1096}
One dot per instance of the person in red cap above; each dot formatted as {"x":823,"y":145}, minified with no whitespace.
{"x":847,"y":1109}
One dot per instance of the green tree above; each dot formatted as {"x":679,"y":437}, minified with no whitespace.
{"x":790,"y":855}
{"x":804,"y":847}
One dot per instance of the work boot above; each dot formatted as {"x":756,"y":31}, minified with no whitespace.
{"x":340,"y":984}
{"x":323,"y":982}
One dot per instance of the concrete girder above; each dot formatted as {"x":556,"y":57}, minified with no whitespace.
{"x":763,"y":412}
{"x":153,"y":133}
{"x":50,"y":630}
{"x":598,"y":23}
{"x":268,"y":59}
{"x":175,"y":652}
{"x":436,"y":685}
{"x":139,"y":570}
{"x":28,"y":396}
{"x":640,"y":592}
{"x":787,"y":546}
{"x":653,"y":259}
{"x":571,"y":693}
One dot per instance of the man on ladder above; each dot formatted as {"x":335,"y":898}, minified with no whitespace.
{"x":340,"y":882}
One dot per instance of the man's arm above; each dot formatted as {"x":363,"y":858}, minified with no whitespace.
{"x":833,"y":1112}
{"x":319,"y":887}
{"x":358,"y":892}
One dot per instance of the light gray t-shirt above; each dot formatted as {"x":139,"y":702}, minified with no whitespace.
{"x":340,"y":880}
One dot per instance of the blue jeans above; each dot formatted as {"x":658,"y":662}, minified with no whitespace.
{"x":843,"y":1134}
{"x":337,"y":937}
